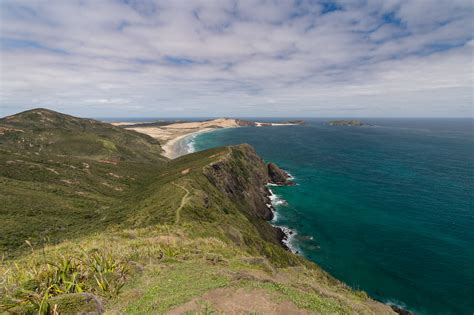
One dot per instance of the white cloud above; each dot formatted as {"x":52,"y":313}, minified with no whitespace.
{"x":237,"y":57}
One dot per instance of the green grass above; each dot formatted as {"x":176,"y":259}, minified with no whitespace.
{"x":175,"y":285}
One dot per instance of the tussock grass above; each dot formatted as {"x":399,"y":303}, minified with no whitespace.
{"x":29,"y":285}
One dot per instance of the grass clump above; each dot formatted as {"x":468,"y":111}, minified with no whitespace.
{"x":30,"y":286}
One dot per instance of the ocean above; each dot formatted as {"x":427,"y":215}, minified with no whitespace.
{"x":386,"y":208}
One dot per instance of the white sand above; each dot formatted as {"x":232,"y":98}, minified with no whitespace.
{"x":175,"y":147}
{"x":126,"y":123}
{"x":172,"y":136}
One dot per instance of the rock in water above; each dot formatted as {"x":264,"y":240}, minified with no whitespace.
{"x":400,"y":310}
{"x":278,"y":176}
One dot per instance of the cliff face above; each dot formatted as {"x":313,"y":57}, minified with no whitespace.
{"x":242,"y":175}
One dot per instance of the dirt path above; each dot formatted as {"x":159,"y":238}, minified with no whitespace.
{"x":183,"y":202}
{"x":238,"y":301}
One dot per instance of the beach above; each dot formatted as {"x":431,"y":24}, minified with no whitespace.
{"x":180,"y":145}
{"x":174,"y":136}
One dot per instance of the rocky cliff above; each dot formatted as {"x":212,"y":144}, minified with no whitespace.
{"x":243,"y":176}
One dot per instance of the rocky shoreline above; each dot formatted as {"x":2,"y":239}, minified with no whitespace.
{"x":279,"y":177}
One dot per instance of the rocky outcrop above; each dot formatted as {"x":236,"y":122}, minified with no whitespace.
{"x":245,"y":123}
{"x":278,"y":176}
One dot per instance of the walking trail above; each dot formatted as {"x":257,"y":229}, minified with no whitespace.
{"x":183,"y":202}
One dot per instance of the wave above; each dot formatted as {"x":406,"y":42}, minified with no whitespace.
{"x":289,"y":238}
{"x":276,"y":200}
{"x":397,"y":305}
{"x":190,"y":142}
{"x":290,"y":234}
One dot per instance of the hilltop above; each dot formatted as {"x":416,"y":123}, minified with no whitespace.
{"x":45,"y":131}
{"x":96,"y":219}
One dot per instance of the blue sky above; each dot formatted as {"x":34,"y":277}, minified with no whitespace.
{"x":238,"y":58}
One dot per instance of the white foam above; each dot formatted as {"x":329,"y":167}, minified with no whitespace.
{"x":290,"y":234}
{"x":190,"y":142}
{"x":276,"y":200}
{"x":289,"y":239}
{"x":393,"y":302}
{"x":290,"y":177}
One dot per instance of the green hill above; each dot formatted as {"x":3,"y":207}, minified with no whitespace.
{"x":94,"y":219}
{"x":44,"y":131}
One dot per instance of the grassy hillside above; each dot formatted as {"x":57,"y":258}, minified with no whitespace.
{"x":95,"y":220}
{"x":41,"y":131}
{"x":62,"y":176}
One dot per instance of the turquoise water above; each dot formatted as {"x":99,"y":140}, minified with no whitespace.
{"x":387,"y":208}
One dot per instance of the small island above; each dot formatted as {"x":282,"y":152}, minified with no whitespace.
{"x":349,"y":123}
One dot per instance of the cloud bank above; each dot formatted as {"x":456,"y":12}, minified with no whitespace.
{"x":238,"y":57}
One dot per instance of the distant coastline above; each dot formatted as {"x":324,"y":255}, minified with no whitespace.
{"x":173,"y":135}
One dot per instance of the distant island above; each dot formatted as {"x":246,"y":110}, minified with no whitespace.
{"x":171,"y":133}
{"x":350,"y":123}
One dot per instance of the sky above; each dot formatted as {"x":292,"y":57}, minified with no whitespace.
{"x":238,"y":58}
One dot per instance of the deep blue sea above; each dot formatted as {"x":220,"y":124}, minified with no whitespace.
{"x":387,"y":208}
